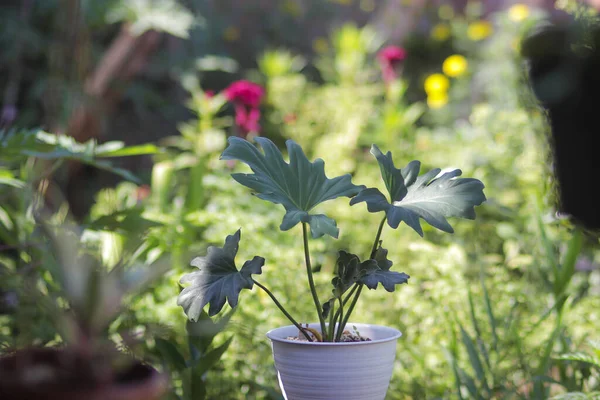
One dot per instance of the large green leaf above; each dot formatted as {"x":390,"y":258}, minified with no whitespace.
{"x":299,"y":186}
{"x":429,"y":196}
{"x":218,"y":279}
{"x":382,"y":274}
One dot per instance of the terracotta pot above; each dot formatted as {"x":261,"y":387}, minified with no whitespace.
{"x":41,"y":374}
{"x":343,"y":370}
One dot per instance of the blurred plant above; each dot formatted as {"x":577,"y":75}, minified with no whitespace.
{"x":202,"y":352}
{"x":508,"y":337}
{"x":144,"y":15}
{"x":30,"y":163}
{"x":590,"y":372}
{"x":50,"y":275}
{"x":94,"y":298}
{"x":347,"y":62}
{"x":300,"y":186}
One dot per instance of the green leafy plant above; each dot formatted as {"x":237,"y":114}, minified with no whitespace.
{"x":203,"y":355}
{"x":299,"y":186}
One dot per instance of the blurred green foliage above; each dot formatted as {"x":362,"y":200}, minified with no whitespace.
{"x":501,"y":309}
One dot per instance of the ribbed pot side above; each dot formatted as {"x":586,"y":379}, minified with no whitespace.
{"x":331,"y":371}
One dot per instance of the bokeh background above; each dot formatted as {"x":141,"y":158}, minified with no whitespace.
{"x":494,"y":311}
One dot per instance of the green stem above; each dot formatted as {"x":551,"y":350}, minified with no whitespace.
{"x":311,"y":281}
{"x":283,"y":310}
{"x":336,"y":318}
{"x":344,"y":320}
{"x":340,"y":328}
{"x":332,"y":319}
{"x":349,"y":312}
{"x":351,"y":293}
{"x":377,"y":237}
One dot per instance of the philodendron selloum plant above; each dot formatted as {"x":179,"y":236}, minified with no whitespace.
{"x":300,"y":186}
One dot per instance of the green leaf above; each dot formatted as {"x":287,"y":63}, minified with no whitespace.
{"x":118,"y":149}
{"x":170,"y":354}
{"x":299,"y":186}
{"x":129,"y":220}
{"x":349,"y":271}
{"x":474,"y":358}
{"x":210,"y":358}
{"x":581,"y":357}
{"x":202,"y":332}
{"x":567,"y":267}
{"x":8,"y":178}
{"x":218,"y":279}
{"x":429,"y":196}
{"x":388,"y":279}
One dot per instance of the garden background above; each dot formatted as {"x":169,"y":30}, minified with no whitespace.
{"x":114,"y":114}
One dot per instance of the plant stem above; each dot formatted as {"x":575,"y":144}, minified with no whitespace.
{"x":332,"y":320}
{"x":344,"y":320}
{"x":340,"y":327}
{"x":349,"y":312}
{"x":311,"y":281}
{"x":376,"y":242}
{"x":351,"y":293}
{"x":283,"y":310}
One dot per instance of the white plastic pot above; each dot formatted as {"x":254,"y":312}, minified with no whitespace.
{"x":332,"y":371}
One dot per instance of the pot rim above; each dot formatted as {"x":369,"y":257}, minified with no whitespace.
{"x":393,"y":334}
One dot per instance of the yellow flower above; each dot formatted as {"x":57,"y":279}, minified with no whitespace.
{"x":518,"y":12}
{"x":437,"y":100}
{"x":446,"y":11}
{"x":455,"y":65}
{"x":440,"y":32}
{"x":320,"y":45}
{"x":479,"y":30}
{"x":436,"y":83}
{"x":231,"y":34}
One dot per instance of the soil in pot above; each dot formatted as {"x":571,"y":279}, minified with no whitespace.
{"x":347,"y":336}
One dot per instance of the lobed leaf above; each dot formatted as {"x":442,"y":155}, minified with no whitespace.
{"x":388,"y":279}
{"x":218,"y":279}
{"x":298,"y":185}
{"x":429,"y":196}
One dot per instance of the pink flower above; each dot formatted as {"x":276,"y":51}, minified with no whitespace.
{"x":246,"y":97}
{"x":248,"y":93}
{"x":389,"y":58}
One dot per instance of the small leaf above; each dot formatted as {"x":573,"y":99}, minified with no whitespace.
{"x":218,"y":279}
{"x":428,"y":196}
{"x":349,"y":271}
{"x":298,"y":185}
{"x":388,"y":279}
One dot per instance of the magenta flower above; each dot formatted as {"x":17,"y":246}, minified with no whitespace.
{"x":389,"y":59}
{"x":246,"y":97}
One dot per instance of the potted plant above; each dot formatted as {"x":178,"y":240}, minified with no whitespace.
{"x":88,"y":367}
{"x":332,"y":358}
